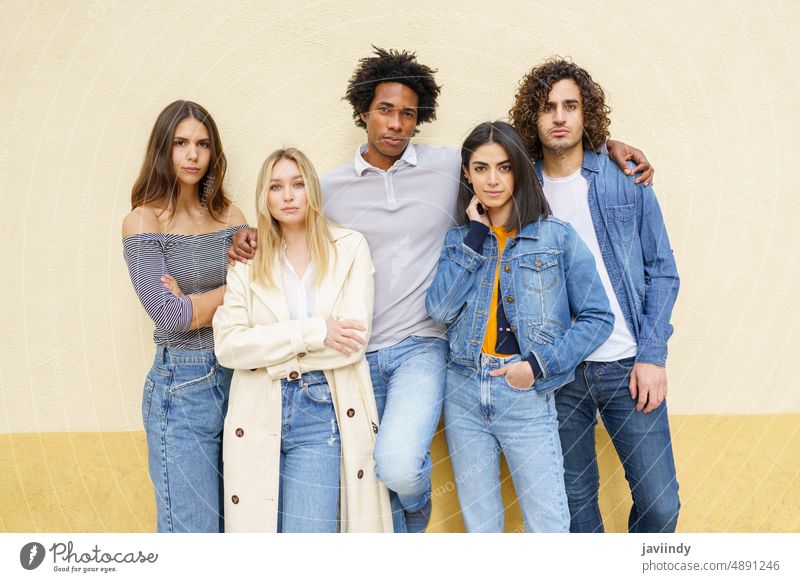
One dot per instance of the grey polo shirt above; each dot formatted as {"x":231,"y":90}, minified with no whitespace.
{"x":404,"y":214}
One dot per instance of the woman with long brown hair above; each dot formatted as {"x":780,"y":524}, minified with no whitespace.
{"x":175,"y":238}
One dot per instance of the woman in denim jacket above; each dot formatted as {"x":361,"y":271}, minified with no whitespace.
{"x":524,"y":305}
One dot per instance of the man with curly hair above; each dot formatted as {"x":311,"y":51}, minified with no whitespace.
{"x":402,"y":197}
{"x":561,"y":112}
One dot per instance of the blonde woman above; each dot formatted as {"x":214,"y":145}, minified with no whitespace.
{"x":302,"y":421}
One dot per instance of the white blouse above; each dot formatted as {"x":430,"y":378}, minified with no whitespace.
{"x":299,"y":290}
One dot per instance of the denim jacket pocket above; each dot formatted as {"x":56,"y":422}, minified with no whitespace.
{"x":456,"y":336}
{"x":464,"y":257}
{"x":539,"y":271}
{"x":621,"y":221}
{"x":540,"y":336}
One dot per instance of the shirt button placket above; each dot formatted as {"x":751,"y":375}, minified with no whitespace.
{"x":391,"y":202}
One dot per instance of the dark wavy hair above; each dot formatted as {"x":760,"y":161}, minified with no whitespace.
{"x":157,"y":180}
{"x":529,"y":201}
{"x":392,"y":67}
{"x":534,"y":89}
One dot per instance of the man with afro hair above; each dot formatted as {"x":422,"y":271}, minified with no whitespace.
{"x":387,"y":66}
{"x":402,"y":197}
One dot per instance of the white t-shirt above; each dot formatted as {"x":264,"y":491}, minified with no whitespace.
{"x":569,"y":200}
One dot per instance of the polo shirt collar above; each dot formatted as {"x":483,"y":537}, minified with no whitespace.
{"x":409,"y":158}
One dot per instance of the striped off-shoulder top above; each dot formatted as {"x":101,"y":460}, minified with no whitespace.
{"x":197,"y":262}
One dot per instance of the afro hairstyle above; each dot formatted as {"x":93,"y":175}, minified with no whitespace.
{"x":392,"y":67}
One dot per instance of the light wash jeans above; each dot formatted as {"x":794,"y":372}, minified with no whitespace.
{"x":485,"y":416}
{"x":408,"y":381}
{"x":310,"y":457}
{"x":183,"y":410}
{"x":642,"y":442}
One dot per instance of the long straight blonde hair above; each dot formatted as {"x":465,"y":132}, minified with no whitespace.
{"x":270,"y":233}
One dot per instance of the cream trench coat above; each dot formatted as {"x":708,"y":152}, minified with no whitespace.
{"x":254,"y":335}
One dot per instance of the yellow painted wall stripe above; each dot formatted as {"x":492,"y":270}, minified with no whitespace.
{"x":737,"y":474}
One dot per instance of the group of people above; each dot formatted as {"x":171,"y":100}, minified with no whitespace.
{"x":522,"y":285}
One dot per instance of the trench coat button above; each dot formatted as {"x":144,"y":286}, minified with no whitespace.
{"x":293,"y":375}
{"x":510,"y":299}
{"x":302,"y":355}
{"x":360,"y":473}
{"x":507,"y":268}
{"x":513,"y":329}
{"x":351,"y":413}
{"x":235,"y":499}
{"x":239,"y":432}
{"x":374,"y":428}
{"x":537,"y":263}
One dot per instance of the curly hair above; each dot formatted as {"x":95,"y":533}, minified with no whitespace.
{"x":534,"y":89}
{"x":392,"y":67}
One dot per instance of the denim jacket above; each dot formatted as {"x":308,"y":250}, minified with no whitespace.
{"x":633,"y":241}
{"x":551,"y":292}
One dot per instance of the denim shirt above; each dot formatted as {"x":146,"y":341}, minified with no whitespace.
{"x":633,"y":241}
{"x":551,"y":292}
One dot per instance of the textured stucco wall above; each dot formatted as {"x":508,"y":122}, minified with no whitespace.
{"x":710,"y":94}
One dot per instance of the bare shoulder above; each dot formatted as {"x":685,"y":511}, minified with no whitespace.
{"x":142,"y":219}
{"x":235,"y":216}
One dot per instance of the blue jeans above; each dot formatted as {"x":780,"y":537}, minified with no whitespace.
{"x":310,"y":456}
{"x":408,"y":381}
{"x":485,"y":416}
{"x":183,"y":410}
{"x":642,"y":442}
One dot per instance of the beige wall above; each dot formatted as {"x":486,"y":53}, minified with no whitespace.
{"x":709,"y":92}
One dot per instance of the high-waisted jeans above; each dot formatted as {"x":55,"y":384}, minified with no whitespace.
{"x":183,"y":410}
{"x":310,"y":456}
{"x":484,"y":415}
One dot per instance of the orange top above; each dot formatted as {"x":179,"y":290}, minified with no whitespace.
{"x":490,"y":339}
